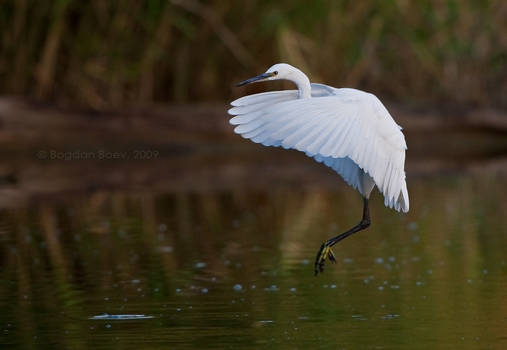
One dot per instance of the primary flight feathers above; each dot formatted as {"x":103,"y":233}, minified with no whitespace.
{"x":348,"y":130}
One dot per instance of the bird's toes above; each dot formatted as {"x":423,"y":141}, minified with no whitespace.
{"x":321,"y":266}
{"x":324,"y":252}
{"x":332,"y":258}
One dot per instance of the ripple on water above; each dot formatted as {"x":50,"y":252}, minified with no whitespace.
{"x":390,"y":316}
{"x":120,"y":317}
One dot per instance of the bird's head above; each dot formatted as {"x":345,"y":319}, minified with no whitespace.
{"x":275,"y":72}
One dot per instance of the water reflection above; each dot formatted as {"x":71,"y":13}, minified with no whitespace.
{"x":233,"y":269}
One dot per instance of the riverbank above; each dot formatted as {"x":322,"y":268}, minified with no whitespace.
{"x":47,"y":152}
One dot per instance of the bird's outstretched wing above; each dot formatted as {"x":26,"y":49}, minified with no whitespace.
{"x":342,"y":128}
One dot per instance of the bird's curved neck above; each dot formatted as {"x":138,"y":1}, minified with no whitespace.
{"x":303,"y":83}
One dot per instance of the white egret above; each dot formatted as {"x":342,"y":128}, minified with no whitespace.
{"x":348,"y":130}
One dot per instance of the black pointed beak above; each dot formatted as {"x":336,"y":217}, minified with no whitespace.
{"x":257,"y":78}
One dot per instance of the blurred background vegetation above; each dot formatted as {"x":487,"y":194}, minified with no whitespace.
{"x":104,"y":54}
{"x":172,"y":235}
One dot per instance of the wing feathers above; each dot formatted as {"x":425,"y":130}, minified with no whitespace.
{"x":244,"y":128}
{"x":245,"y":118}
{"x":350,"y":132}
{"x":310,"y":137}
{"x":265,"y":97}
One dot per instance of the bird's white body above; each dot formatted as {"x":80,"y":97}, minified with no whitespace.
{"x":348,"y":130}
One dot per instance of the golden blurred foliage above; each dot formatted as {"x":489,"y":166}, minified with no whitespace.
{"x":104,"y":54}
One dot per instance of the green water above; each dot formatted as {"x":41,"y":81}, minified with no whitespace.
{"x":233,"y":269}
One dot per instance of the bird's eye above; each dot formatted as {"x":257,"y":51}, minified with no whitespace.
{"x":275,"y":72}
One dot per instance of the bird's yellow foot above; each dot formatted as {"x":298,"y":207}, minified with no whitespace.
{"x":324,"y":253}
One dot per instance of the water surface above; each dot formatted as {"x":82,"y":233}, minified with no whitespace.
{"x":233,"y":269}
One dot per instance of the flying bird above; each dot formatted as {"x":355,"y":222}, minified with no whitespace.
{"x":346,"y":129}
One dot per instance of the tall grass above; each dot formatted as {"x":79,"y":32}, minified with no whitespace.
{"x":105,"y":54}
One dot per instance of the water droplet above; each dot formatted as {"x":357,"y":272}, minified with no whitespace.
{"x":237,"y":287}
{"x":200,"y":265}
{"x":266,"y":321}
{"x":379,"y":260}
{"x":273,"y":288}
{"x":359,"y":317}
{"x":166,"y":249}
{"x":412,"y":226}
{"x":390,"y":316}
{"x":380,"y":288}
{"x":292,"y":289}
{"x":108,"y":325}
{"x":204,"y":291}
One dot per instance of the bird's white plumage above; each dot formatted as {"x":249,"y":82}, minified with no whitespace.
{"x":348,"y":130}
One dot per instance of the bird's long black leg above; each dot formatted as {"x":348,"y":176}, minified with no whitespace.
{"x":325,"y":249}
